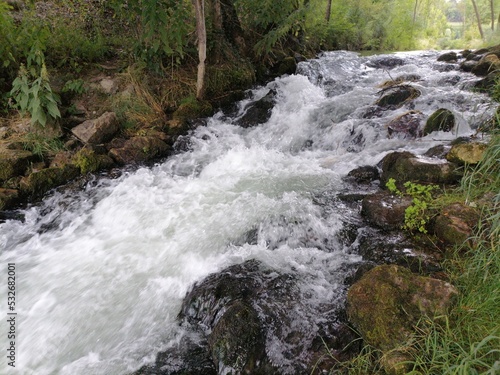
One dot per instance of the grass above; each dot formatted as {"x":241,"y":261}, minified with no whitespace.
{"x":468,"y":342}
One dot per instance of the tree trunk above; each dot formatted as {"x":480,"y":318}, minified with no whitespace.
{"x":492,"y":7}
{"x":328,"y":11}
{"x":478,"y":19}
{"x":201,"y":33}
{"x":415,"y":12}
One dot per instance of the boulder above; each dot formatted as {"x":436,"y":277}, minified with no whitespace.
{"x":39,"y":182}
{"x":455,"y":223}
{"x":468,"y":65}
{"x":486,"y":65}
{"x":14,"y":163}
{"x":387,"y":303}
{"x":404,"y":166}
{"x":448,"y":57}
{"x":406,"y":126}
{"x":385,"y":210}
{"x":245,"y":307}
{"x":396,"y":96}
{"x":467,"y":153}
{"x":99,"y":130}
{"x":139,"y":149}
{"x":258,"y":112}
{"x":443,"y":119}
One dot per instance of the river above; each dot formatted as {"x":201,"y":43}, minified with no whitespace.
{"x":101,"y":271}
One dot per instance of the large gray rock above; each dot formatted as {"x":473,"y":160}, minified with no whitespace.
{"x":99,"y":130}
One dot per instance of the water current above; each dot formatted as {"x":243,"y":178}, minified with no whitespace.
{"x":101,"y":271}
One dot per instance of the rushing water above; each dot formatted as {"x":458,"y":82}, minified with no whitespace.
{"x":101,"y":272}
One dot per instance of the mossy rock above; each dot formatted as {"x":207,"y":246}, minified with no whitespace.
{"x":8,"y":197}
{"x":88,"y":161}
{"x":486,"y":65}
{"x":139,"y":149}
{"x":39,"y":182}
{"x":455,"y":224}
{"x":14,"y":163}
{"x":443,"y":119}
{"x":404,"y":166}
{"x":385,"y":210}
{"x":448,"y":57}
{"x":387,"y":302}
{"x":467,"y":153}
{"x":287,"y":66}
{"x":397,"y":96}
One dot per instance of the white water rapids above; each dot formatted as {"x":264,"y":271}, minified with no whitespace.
{"x":101,"y":273}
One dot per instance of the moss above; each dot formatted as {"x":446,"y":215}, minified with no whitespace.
{"x":38,"y":183}
{"x":191,"y":108}
{"x":443,"y":119}
{"x":87,"y":161}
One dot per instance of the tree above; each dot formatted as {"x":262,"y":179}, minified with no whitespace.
{"x":328,"y":11}
{"x":478,"y":17}
{"x":201,"y":33}
{"x":492,"y":8}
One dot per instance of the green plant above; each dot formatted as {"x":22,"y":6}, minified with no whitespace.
{"x":417,"y":214}
{"x":40,"y":145}
{"x":74,"y":86}
{"x":31,"y":91}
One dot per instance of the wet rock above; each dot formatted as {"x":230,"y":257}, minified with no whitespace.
{"x":441,"y":120}
{"x":468,"y":65}
{"x":455,"y":224}
{"x":245,"y":308}
{"x":189,"y":357}
{"x":467,"y":153}
{"x":139,"y":149}
{"x":8,"y":197}
{"x":38,"y":183}
{"x":364,"y":174}
{"x":488,"y":83}
{"x":486,"y":65}
{"x":14,"y":163}
{"x":389,"y":300}
{"x":98,"y":130}
{"x":396,"y":96}
{"x":287,"y":66}
{"x":406,"y":126}
{"x":448,"y":57}
{"x":385,"y":210}
{"x":385,"y":62}
{"x":404,"y":166}
{"x":438,"y":152}
{"x":258,"y":112}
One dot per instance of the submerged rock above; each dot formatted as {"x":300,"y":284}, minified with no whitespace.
{"x":406,"y":125}
{"x":250,"y":315}
{"x":258,"y":112}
